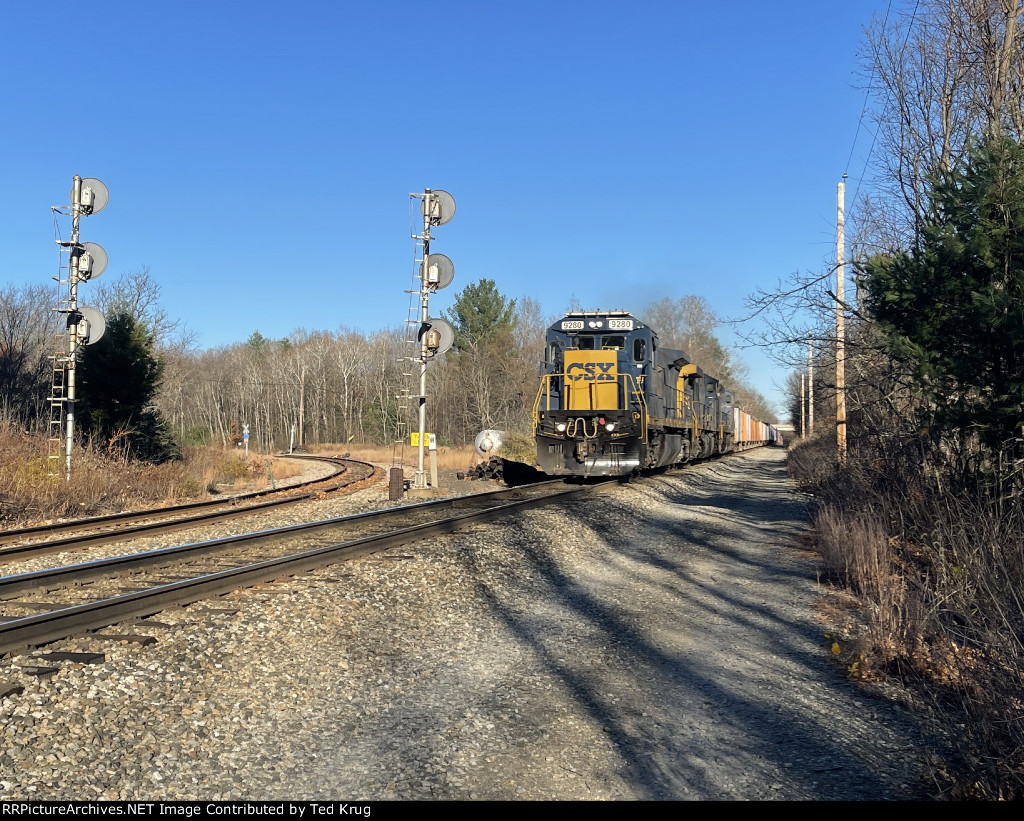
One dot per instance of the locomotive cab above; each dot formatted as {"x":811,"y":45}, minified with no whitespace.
{"x":612,"y":401}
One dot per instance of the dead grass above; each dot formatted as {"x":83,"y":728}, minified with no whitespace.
{"x":855,"y":548}
{"x":940,"y":581}
{"x":100,"y":484}
{"x":447,"y":458}
{"x":284,"y":469}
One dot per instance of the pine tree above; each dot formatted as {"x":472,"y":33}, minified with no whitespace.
{"x":953,"y":308}
{"x":480,"y":312}
{"x":118,"y":378}
{"x":483,"y":357}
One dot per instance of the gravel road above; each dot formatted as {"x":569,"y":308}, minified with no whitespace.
{"x":658,"y":641}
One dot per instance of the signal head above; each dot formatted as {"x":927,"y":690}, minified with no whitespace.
{"x":94,"y":196}
{"x":438,"y":205}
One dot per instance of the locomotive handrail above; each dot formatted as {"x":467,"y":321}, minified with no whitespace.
{"x":630,"y":393}
{"x":642,"y":404}
{"x":543,"y":389}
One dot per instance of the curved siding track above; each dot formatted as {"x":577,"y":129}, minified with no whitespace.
{"x":39,"y":540}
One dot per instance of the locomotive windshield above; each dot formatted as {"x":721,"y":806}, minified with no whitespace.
{"x":610,"y":332}
{"x":592,"y":342}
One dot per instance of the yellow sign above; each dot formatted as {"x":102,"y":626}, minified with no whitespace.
{"x":414,"y":440}
{"x":591,"y":380}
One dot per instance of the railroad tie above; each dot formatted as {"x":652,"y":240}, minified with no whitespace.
{"x":128,"y":638}
{"x":39,"y":670}
{"x":76,"y":658}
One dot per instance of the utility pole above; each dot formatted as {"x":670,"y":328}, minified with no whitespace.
{"x":803,"y":417}
{"x":810,"y":388}
{"x":840,"y":326}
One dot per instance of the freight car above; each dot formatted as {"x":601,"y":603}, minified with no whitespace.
{"x":613,"y":402}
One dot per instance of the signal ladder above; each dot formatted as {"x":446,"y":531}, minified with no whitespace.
{"x":58,"y":381}
{"x":55,"y":426}
{"x":410,"y":351}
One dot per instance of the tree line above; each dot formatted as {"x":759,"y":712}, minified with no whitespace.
{"x":145,"y":391}
{"x":934,"y":322}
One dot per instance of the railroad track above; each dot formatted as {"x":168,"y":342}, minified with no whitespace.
{"x":43,"y":606}
{"x":25,"y":543}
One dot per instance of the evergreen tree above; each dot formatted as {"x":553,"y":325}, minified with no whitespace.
{"x":483,"y":358}
{"x":953,"y":308}
{"x":118,"y":378}
{"x":257,"y":344}
{"x":480,"y":312}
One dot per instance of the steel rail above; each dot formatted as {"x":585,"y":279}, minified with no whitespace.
{"x":19,"y":552}
{"x":60,"y":623}
{"x":54,"y":578}
{"x":9,"y":554}
{"x":7,"y":536}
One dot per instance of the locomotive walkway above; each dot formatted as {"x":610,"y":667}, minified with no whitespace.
{"x":657,"y":641}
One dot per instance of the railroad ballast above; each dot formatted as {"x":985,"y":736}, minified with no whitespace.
{"x":612,"y":402}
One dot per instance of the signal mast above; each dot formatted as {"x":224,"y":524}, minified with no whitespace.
{"x":85,"y":325}
{"x":435,"y":336}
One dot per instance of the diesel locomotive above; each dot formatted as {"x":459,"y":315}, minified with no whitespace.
{"x":612,"y":402}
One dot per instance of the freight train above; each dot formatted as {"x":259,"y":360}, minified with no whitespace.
{"x":613,"y":402}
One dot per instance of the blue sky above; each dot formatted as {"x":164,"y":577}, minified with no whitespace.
{"x":259,"y":155}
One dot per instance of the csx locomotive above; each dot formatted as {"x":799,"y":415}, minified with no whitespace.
{"x":612,"y":401}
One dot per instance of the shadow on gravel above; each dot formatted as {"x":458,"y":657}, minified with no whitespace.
{"x":714,"y":681}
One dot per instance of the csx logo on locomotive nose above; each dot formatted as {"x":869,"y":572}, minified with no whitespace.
{"x":590,"y":372}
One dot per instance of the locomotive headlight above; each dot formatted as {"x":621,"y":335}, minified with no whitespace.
{"x":610,"y":427}
{"x":560,"y":427}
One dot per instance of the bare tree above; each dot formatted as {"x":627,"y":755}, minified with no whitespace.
{"x":138,"y":294}
{"x":28,"y":329}
{"x":689,"y":323}
{"x":940,"y":76}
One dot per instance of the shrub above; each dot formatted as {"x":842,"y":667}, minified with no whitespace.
{"x":940,"y":572}
{"x":520,"y":447}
